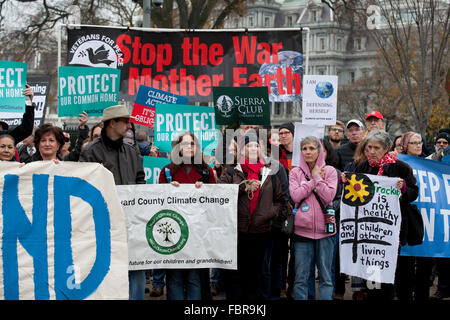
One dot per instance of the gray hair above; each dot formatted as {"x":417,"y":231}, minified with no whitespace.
{"x":380,"y":136}
{"x":311,"y":139}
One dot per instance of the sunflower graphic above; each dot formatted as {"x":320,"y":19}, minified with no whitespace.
{"x":358,"y":190}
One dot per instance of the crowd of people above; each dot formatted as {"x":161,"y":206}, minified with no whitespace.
{"x":271,"y":265}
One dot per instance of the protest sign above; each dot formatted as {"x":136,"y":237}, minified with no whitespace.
{"x":63,"y":232}
{"x":433,"y":180}
{"x":41,"y":88}
{"x":370,"y":227}
{"x":87,"y":89}
{"x":181,"y":227}
{"x":302,"y":131}
{"x":189,"y":63}
{"x":173,"y":119}
{"x":319,"y":105}
{"x":144,"y":106}
{"x":13,"y":77}
{"x":245,"y":105}
{"x":152,"y":168}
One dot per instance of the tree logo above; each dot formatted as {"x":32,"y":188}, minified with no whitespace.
{"x":225,"y":106}
{"x":167,"y":232}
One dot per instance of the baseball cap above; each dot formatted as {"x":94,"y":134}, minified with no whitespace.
{"x":354,"y":121}
{"x":113,"y":112}
{"x":375,"y":114}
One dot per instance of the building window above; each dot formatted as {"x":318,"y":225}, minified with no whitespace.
{"x":266,"y":22}
{"x":322,"y":44}
{"x":339,"y":45}
{"x":289,"y":108}
{"x":357,"y":44}
{"x":352,"y":76}
{"x":277,"y":110}
{"x":289,"y":21}
{"x":236,"y":23}
{"x":250,"y":21}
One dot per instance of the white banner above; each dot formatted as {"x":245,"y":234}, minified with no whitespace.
{"x":370,"y":227}
{"x":181,"y":227}
{"x":319,"y":104}
{"x":63,"y":232}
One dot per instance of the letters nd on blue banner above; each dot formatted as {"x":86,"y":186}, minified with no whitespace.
{"x":433,"y":180}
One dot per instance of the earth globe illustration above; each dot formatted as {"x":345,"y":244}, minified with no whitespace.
{"x":324,"y":89}
{"x":292,"y":59}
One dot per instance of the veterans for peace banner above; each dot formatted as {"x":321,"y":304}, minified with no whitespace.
{"x":247,"y":105}
{"x":152,"y":168}
{"x":63,"y":232}
{"x":41,"y":88}
{"x":173,"y":119}
{"x":87,"y":89}
{"x":370,"y":227}
{"x":319,"y":104}
{"x":190,"y":62}
{"x":181,"y":227}
{"x":13,"y":77}
{"x":433,"y":180}
{"x":144,"y":106}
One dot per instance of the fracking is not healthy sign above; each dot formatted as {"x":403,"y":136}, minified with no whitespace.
{"x":245,"y":105}
{"x":144,"y":107}
{"x":87,"y":89}
{"x":13,"y":76}
{"x":190,"y":63}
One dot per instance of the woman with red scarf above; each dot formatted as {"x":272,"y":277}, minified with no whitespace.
{"x":259,"y":202}
{"x":383,"y":163}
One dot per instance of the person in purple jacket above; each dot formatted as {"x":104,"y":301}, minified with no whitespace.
{"x":312,"y":244}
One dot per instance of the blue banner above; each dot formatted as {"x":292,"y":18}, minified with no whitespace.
{"x":433,"y":180}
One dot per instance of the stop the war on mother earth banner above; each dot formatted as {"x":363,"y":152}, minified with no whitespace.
{"x":433,"y":180}
{"x":190,"y":62}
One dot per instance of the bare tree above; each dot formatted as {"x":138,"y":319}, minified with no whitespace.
{"x":412,"y":38}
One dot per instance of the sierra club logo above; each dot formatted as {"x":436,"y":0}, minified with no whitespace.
{"x":95,"y":50}
{"x":167,"y":232}
{"x":225,"y":106}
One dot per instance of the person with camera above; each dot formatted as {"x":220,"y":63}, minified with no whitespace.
{"x":313,"y":186}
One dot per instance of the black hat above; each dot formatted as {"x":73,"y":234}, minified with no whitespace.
{"x":4,"y":124}
{"x":249,"y":137}
{"x":442,"y":135}
{"x":287,"y":125}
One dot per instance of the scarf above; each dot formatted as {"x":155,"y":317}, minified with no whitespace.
{"x":111,"y":143}
{"x":387,"y":158}
{"x":252,"y":170}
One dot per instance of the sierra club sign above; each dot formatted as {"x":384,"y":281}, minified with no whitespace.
{"x":191,"y":63}
{"x":245,"y":105}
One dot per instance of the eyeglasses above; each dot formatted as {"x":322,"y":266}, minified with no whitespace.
{"x":125,"y":120}
{"x":186,"y":144}
{"x":442,"y":142}
{"x":284,"y":133}
{"x":336,"y":129}
{"x":416,"y":143}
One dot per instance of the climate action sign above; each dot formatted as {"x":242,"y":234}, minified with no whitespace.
{"x":87,"y":89}
{"x":245,"y":105}
{"x":190,"y":63}
{"x":13,"y":77}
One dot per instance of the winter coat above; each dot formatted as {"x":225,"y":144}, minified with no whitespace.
{"x":119,"y":158}
{"x":270,"y":202}
{"x":402,"y":170}
{"x":182,"y":176}
{"x":310,"y":220}
{"x":345,"y":153}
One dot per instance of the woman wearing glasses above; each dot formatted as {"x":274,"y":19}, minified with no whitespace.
{"x":413,"y":273}
{"x":187,"y":166}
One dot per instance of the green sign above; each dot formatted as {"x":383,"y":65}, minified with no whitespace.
{"x":13,"y":77}
{"x":87,"y":89}
{"x":152,"y":168}
{"x":248,"y":105}
{"x":173,"y":119}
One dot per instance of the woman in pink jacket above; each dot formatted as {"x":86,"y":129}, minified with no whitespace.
{"x":312,"y":243}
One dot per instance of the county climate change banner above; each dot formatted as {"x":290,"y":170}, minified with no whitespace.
{"x":63,"y":233}
{"x":181,"y":227}
{"x":190,"y":63}
{"x":433,"y":180}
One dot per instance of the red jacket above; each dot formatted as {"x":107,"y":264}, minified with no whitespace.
{"x":182,"y":176}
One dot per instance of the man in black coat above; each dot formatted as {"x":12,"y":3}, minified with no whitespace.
{"x":355,"y":133}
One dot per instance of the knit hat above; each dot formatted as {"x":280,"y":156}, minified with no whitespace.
{"x":405,"y":141}
{"x":442,"y":135}
{"x":287,"y":125}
